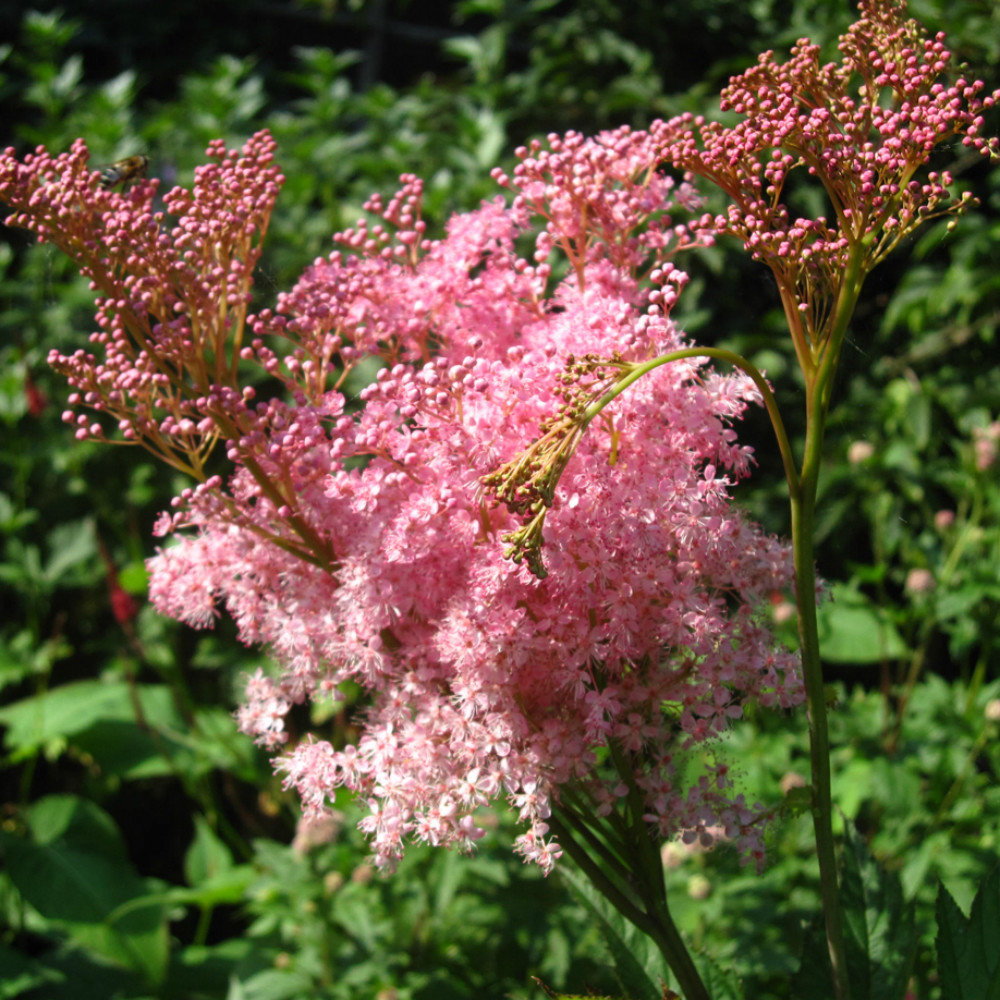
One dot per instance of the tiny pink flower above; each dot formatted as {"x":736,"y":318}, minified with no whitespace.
{"x":918,"y":582}
{"x":944,"y":519}
{"x":790,"y":780}
{"x":860,"y":452}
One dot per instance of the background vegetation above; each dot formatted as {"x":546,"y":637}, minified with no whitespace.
{"x":147,"y":849}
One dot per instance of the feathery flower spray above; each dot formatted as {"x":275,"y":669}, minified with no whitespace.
{"x":362,"y":546}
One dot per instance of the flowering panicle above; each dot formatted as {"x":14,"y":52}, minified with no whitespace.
{"x":358,"y":544}
{"x":864,"y":145}
{"x":172,"y":310}
{"x":601,"y":198}
{"x":171,"y":301}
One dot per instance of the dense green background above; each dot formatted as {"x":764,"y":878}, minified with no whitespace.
{"x":146,"y":844}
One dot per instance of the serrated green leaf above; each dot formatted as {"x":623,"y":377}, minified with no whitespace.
{"x":968,"y":954}
{"x":814,"y":978}
{"x":637,"y":964}
{"x":880,"y":938}
{"x":879,"y":925}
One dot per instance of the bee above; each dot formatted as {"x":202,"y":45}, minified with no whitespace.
{"x":132,"y":168}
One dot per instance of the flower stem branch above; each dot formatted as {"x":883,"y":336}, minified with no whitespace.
{"x":635,"y":372}
{"x":819,"y":381}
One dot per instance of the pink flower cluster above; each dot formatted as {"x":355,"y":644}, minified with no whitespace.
{"x":361,"y":541}
{"x":358,"y":544}
{"x":862,"y":129}
{"x":172,"y":301}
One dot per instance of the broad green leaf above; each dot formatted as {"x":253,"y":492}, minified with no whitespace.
{"x":72,"y":708}
{"x":852,"y":629}
{"x":70,"y":544}
{"x":130,"y":751}
{"x":967,"y":948}
{"x":74,"y":871}
{"x":879,"y":930}
{"x":207,"y":857}
{"x":637,"y":964}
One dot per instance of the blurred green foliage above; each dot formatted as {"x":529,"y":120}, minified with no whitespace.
{"x":147,"y":847}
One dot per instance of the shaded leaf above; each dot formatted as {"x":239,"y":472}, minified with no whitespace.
{"x":74,"y":871}
{"x":879,"y":925}
{"x":852,"y":629}
{"x":969,"y":948}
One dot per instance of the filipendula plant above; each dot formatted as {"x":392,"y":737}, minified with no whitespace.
{"x":538,"y":577}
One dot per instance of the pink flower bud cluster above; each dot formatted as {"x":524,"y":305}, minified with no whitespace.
{"x":601,"y":197}
{"x":358,"y":543}
{"x":171,"y":300}
{"x":862,"y":128}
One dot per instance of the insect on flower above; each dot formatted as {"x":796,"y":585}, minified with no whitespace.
{"x":132,"y":168}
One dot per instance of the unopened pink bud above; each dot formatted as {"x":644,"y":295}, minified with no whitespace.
{"x":919,"y":581}
{"x":860,"y":452}
{"x":944,"y":519}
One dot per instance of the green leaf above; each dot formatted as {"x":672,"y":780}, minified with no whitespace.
{"x":228,"y":888}
{"x":852,"y":629}
{"x":70,"y":545}
{"x":134,"y":577}
{"x":18,"y":974}
{"x":637,"y":964}
{"x":880,"y":938}
{"x":277,"y":984}
{"x":814,"y":978}
{"x":126,"y":750}
{"x":72,"y":708}
{"x":74,"y":871}
{"x":207,"y":857}
{"x":879,"y":925}
{"x":968,"y":956}
{"x":65,"y":973}
{"x":208,"y":971}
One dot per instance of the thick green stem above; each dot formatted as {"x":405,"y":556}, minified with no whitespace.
{"x":650,"y":915}
{"x":803,"y":523}
{"x":819,"y":382}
